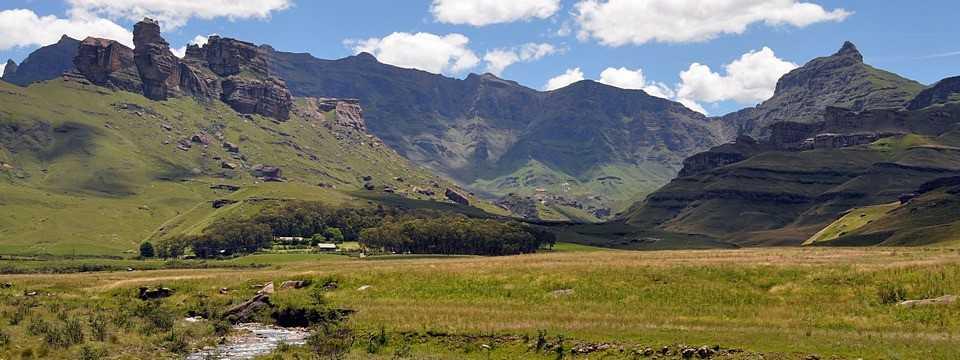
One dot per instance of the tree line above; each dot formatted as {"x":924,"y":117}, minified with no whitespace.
{"x":376,"y":228}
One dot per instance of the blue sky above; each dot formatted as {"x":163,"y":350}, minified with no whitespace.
{"x":918,"y":42}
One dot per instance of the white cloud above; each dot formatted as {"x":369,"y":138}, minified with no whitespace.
{"x":569,"y":77}
{"x":175,"y":13}
{"x":634,"y":79}
{"x":748,"y":80}
{"x":499,"y":59}
{"x":486,"y":12}
{"x":3,"y":65}
{"x":622,"y":22}
{"x":197,"y":40}
{"x":446,"y":54}
{"x":23,"y":28}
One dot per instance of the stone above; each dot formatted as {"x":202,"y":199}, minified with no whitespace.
{"x":226,"y":187}
{"x":347,"y":112}
{"x":227,"y":57}
{"x":294,"y":284}
{"x":159,"y":69}
{"x":200,"y":138}
{"x":457,"y":196}
{"x":154,"y":294}
{"x":219,"y":203}
{"x":247,"y":310}
{"x":267,"y":172}
{"x":369,"y":186}
{"x":231,"y":147}
{"x":228,"y":165}
{"x":267,"y":289}
{"x":940,"y":301}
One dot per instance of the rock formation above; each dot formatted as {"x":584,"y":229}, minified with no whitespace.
{"x":9,"y":69}
{"x":159,"y":68}
{"x":457,"y":196}
{"x":233,"y":71}
{"x":943,"y":91}
{"x":347,"y":112}
{"x":268,"y":97}
{"x":107,"y":63}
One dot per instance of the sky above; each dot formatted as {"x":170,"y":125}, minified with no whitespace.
{"x":715,"y":56}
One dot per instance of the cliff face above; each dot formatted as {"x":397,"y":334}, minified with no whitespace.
{"x":233,"y":71}
{"x":108,"y":63}
{"x":9,"y":69}
{"x":944,"y":91}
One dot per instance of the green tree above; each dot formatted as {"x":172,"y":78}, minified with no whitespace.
{"x":333,"y":235}
{"x":146,"y":250}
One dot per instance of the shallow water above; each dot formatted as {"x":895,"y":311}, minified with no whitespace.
{"x":252,"y":340}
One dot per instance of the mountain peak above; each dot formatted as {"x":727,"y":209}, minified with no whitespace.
{"x":66,"y":39}
{"x":850,"y":50}
{"x":10,"y":68}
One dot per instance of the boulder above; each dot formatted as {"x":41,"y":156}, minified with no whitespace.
{"x":228,"y":165}
{"x":200,"y":138}
{"x":159,"y":69}
{"x":154,"y":294}
{"x":267,"y":172}
{"x":294,"y":284}
{"x":231,"y":147}
{"x":247,"y":310}
{"x":457,"y":196}
{"x":219,"y":203}
{"x":943,"y":300}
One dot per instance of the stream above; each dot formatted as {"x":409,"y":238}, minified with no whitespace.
{"x":252,"y":340}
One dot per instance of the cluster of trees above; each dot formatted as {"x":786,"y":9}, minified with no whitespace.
{"x":392,"y":230}
{"x":456,"y":234}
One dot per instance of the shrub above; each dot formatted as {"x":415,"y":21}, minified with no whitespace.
{"x":331,"y":341}
{"x":891,"y":293}
{"x":146,"y":250}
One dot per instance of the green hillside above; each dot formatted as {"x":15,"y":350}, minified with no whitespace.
{"x":90,"y":171}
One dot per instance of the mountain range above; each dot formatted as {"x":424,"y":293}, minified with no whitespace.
{"x":838,"y":137}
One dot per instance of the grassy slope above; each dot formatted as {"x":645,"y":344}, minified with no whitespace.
{"x":101,"y":179}
{"x":784,"y":303}
{"x":862,"y":176}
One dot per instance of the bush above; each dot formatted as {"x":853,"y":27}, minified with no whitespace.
{"x":455,"y":234}
{"x":332,"y":341}
{"x":891,"y":293}
{"x":146,"y":250}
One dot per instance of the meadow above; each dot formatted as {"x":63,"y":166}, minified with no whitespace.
{"x":786,"y":303}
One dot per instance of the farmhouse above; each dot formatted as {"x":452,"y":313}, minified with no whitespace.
{"x":326,"y":247}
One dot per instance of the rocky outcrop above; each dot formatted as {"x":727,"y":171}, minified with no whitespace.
{"x":836,"y":141}
{"x":107,"y":63}
{"x":268,"y":97}
{"x":720,"y":156}
{"x":267,"y":172}
{"x":347,"y":112}
{"x":159,"y":69}
{"x":48,"y":62}
{"x":457,"y":196}
{"x":227,"y":57}
{"x":9,"y":69}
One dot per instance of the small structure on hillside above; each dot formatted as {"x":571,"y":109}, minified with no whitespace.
{"x":327,"y":247}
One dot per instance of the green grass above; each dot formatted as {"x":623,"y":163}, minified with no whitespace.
{"x":851,"y":222}
{"x":88,"y":177}
{"x":779,"y":303}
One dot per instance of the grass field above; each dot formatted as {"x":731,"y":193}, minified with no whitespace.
{"x":781,"y":303}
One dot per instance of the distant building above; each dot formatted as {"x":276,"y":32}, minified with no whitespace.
{"x":289,"y":239}
{"x":326,"y":247}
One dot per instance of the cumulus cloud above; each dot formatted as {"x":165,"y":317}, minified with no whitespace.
{"x":3,"y":66}
{"x":499,"y":59}
{"x":486,"y":12}
{"x":197,"y":40}
{"x":623,"y":22}
{"x":23,"y":28}
{"x":634,"y":79}
{"x":569,"y":77}
{"x":175,"y":13}
{"x":750,"y":79}
{"x":446,"y":54}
